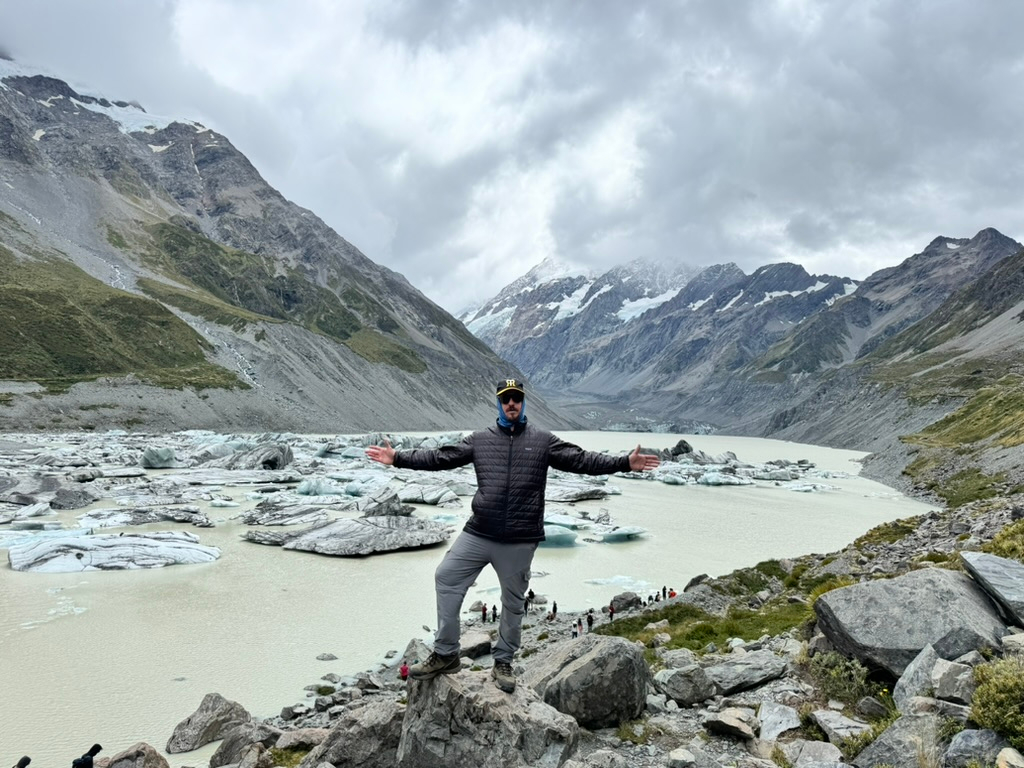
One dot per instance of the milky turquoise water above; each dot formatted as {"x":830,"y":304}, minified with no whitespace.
{"x":121,"y":657}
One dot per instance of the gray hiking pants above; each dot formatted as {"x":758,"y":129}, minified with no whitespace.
{"x":459,"y":569}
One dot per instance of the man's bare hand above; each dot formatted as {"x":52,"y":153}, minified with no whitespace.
{"x":639,"y":462}
{"x":385,"y":454}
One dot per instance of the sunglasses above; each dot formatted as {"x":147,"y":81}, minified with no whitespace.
{"x":511,"y":397}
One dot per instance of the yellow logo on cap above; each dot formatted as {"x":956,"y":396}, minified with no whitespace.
{"x":510,"y":382}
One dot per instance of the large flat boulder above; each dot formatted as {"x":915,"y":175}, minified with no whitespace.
{"x":1002,"y":579}
{"x":464,"y":719}
{"x":600,"y":681}
{"x":887,"y":622}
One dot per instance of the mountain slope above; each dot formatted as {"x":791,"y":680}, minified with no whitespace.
{"x":168,"y":215}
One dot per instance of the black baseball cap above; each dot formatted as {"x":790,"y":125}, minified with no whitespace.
{"x":510,"y":385}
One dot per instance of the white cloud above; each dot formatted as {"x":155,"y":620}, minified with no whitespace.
{"x":460,"y":143}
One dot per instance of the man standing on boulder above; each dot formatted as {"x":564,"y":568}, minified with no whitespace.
{"x":511,"y":460}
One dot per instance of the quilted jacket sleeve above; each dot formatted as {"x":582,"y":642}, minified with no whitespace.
{"x":569,"y":457}
{"x":445,"y":457}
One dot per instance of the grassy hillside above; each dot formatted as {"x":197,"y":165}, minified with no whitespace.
{"x":61,"y":326}
{"x":233,"y":287}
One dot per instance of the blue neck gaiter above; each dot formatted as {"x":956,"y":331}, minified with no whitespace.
{"x":503,"y":420}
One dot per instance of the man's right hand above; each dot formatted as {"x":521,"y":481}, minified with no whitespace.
{"x":384,"y":454}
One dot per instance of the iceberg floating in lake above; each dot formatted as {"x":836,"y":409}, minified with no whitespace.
{"x":621,"y":533}
{"x":566,"y":521}
{"x":558,"y":536}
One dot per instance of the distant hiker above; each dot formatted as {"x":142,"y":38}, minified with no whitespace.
{"x":494,"y":613}
{"x":611,"y":613}
{"x":579,"y":625}
{"x":554,"y":609}
{"x":671,"y":593}
{"x":484,"y":620}
{"x":530,"y":599}
{"x":575,"y":632}
{"x":511,"y":460}
{"x":403,"y":671}
{"x":590,"y":620}
{"x":663,"y":592}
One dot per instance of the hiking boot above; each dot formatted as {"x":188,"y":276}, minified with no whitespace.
{"x":435,"y":665}
{"x":503,"y":676}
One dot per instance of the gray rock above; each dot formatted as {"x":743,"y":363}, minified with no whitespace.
{"x":953,"y":682}
{"x":1009,"y":758}
{"x":600,"y":681}
{"x":238,"y":740}
{"x":837,"y":727}
{"x":869,"y":621}
{"x":366,"y":736}
{"x":140,"y":755}
{"x":973,"y":746}
{"x":495,"y":729}
{"x":747,"y":671}
{"x":732,"y":722}
{"x":802,"y":753}
{"x":626,"y":601}
{"x":776,"y":719}
{"x":302,"y":738}
{"x":685,"y":685}
{"x":916,"y":679}
{"x":1003,"y":579}
{"x":910,"y":742}
{"x":474,"y":644}
{"x":214,"y":718}
{"x":677,"y":657}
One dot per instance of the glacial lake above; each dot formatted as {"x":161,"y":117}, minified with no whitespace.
{"x":122,"y":657}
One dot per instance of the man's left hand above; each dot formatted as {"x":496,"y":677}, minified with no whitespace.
{"x":639,"y":462}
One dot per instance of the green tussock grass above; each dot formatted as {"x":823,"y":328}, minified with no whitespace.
{"x":62,"y":326}
{"x":232,"y":286}
{"x":993,"y":413}
{"x":692,"y":628}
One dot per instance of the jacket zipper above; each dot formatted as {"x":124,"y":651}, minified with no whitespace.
{"x":508,"y":484}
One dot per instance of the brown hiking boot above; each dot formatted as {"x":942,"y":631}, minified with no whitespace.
{"x":503,"y":676}
{"x":435,"y":665}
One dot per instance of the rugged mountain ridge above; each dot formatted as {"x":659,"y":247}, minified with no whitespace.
{"x":821,"y":359}
{"x":228,"y":306}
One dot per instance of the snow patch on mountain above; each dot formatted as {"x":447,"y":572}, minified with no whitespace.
{"x":633,"y":309}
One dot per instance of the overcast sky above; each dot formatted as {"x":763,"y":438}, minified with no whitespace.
{"x":461,"y":142}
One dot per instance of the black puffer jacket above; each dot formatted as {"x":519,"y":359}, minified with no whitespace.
{"x":511,"y":474}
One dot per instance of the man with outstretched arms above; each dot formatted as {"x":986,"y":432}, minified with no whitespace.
{"x":511,"y":460}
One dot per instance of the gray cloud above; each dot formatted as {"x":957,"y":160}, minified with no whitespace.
{"x":460,"y":143}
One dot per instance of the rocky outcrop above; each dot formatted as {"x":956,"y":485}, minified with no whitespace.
{"x":365,"y":736}
{"x":139,"y":755}
{"x":464,"y":720}
{"x":213,"y":720}
{"x":1003,"y":579}
{"x":870,"y":621}
{"x":598,"y":680}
